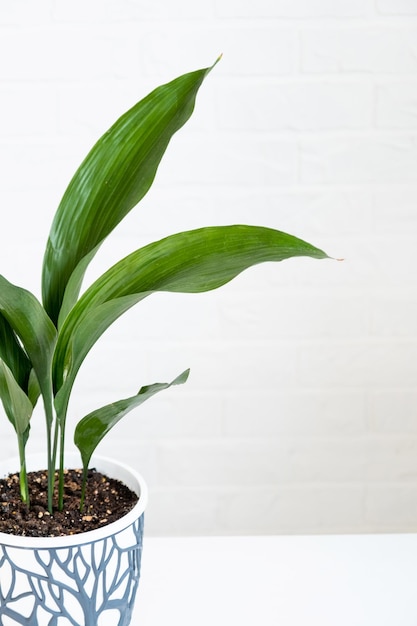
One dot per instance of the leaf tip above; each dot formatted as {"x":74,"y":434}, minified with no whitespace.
{"x":215,"y":62}
{"x":182,"y":378}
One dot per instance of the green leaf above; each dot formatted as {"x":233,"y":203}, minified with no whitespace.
{"x":12,"y":353}
{"x":31,"y":324}
{"x":193,"y":261}
{"x":73,"y":286}
{"x":18,"y":408}
{"x":33,"y":388}
{"x":16,"y":404}
{"x":113,"y":178}
{"x":94,"y":426}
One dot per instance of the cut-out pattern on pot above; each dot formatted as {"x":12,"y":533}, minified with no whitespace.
{"x":93,"y":584}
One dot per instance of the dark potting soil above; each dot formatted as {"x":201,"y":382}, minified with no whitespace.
{"x":106,"y":500}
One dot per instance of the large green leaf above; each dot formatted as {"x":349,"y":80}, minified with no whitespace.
{"x":35,"y":330}
{"x":193,"y":261}
{"x":113,"y":178}
{"x":93,"y":427}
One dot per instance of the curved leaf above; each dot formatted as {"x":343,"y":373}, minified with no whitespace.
{"x":16,"y":404}
{"x":113,"y":178}
{"x":18,"y":408}
{"x":189,"y":262}
{"x":12,"y":353}
{"x":33,"y":390}
{"x":32,"y":325}
{"x":93,"y":427}
{"x":73,"y":286}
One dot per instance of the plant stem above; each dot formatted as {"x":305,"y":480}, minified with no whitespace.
{"x":51,"y":453}
{"x":83,"y":487}
{"x":61,"y":468}
{"x":51,"y":472}
{"x":23,"y":477}
{"x":61,"y":418}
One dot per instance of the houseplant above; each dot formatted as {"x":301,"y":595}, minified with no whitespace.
{"x":42,"y":345}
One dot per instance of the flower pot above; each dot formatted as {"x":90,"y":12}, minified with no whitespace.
{"x":87,"y":579}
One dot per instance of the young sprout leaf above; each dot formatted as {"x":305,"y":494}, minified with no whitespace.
{"x":91,"y":429}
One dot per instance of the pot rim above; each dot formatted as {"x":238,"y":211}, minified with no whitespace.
{"x":109,"y":466}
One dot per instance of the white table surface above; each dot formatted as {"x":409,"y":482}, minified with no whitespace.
{"x":353,"y":580}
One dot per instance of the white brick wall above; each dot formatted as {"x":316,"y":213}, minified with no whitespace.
{"x":300,"y":413}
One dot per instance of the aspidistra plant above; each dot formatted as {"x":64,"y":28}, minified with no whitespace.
{"x":42,"y":345}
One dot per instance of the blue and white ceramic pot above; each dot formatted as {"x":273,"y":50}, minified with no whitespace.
{"x":89,"y":579}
